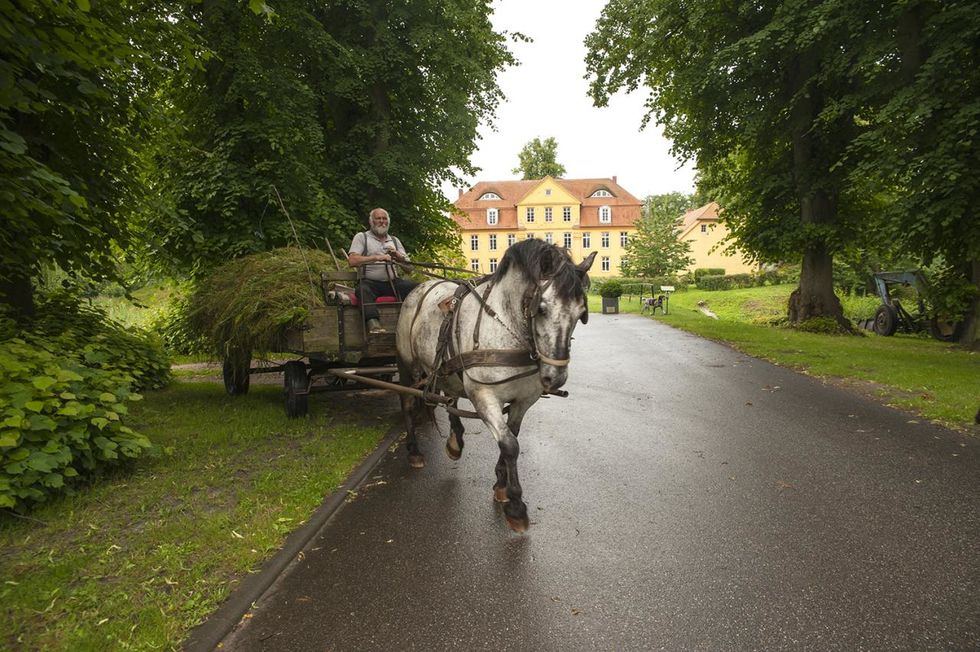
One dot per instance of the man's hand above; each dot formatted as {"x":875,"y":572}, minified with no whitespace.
{"x":382,"y":258}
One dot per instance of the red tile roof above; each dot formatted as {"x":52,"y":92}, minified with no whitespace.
{"x":626,"y":207}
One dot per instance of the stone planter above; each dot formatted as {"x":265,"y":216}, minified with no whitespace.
{"x":610,"y":305}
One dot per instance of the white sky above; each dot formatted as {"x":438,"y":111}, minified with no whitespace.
{"x":547,"y":96}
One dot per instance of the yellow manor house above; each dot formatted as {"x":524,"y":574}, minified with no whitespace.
{"x":582,"y":215}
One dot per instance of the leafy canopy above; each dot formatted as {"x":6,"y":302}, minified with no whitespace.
{"x":538,"y":159}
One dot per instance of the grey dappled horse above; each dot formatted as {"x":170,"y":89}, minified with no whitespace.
{"x":501,"y":343}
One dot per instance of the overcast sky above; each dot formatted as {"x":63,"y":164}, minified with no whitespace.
{"x":547,"y":96}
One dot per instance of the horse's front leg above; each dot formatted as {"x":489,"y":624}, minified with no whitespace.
{"x":515,"y":416}
{"x":491,"y":411}
{"x":454,"y":443}
{"x":410,"y":406}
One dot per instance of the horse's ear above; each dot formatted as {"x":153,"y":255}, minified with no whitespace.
{"x":584,"y":266}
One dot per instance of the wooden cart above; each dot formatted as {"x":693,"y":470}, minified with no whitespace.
{"x":336,"y":354}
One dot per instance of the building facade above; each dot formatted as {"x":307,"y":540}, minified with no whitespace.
{"x":702,"y":228}
{"x":581,"y":215}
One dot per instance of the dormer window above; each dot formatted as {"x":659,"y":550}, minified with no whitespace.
{"x":601,"y":193}
{"x":493,"y":214}
{"x":605,"y":214}
{"x":489,"y":196}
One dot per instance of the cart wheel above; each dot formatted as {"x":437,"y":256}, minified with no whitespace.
{"x":945,"y":331}
{"x":234,"y":371}
{"x":886,"y":320}
{"x":295,"y":380}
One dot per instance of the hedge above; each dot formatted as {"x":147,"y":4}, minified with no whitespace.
{"x":701,"y":272}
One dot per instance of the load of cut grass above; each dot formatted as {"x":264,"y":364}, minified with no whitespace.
{"x":248,"y":304}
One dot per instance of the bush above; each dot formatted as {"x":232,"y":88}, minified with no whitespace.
{"x":174,"y":327}
{"x":715,"y":283}
{"x":65,"y":380}
{"x":611,"y":288}
{"x":707,"y":271}
{"x":651,"y":285}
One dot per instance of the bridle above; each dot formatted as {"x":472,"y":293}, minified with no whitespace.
{"x":531,"y":300}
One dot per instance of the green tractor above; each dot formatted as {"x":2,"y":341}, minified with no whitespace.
{"x":892,"y":316}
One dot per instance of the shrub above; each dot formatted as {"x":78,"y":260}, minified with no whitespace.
{"x":174,"y":327}
{"x":611,"y":288}
{"x":707,"y":271}
{"x":65,"y":380}
{"x":821,"y":325}
{"x":651,"y":285}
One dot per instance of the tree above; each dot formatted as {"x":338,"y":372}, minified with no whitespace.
{"x":656,"y":249}
{"x":538,"y":159}
{"x":71,"y":118}
{"x":340,"y":106}
{"x":759,"y":107}
{"x":922,"y":90}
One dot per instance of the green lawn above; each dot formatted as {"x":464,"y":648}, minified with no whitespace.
{"x":137,"y":559}
{"x":936,"y":380}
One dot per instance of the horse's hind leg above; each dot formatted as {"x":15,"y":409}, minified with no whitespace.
{"x":409,"y":410}
{"x":454,"y":443}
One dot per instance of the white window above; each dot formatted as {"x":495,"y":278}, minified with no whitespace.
{"x":547,"y":213}
{"x":529,"y":213}
{"x":511,"y":239}
{"x":493,"y":242}
{"x":566,"y":214}
{"x":623,"y":238}
{"x":605,"y":239}
{"x":489,"y":195}
{"x":528,"y":236}
{"x":493,"y":214}
{"x":605,"y":263}
{"x":474,"y":243}
{"x":586,"y":240}
{"x":567,"y":239}
{"x":493,"y":265}
{"x":605,"y":214}
{"x":548,"y":238}
{"x":704,"y":228}
{"x":623,"y":264}
{"x":601,"y":193}
{"x":475,"y":264}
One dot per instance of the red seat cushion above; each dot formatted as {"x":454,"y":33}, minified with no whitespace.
{"x":355,"y":302}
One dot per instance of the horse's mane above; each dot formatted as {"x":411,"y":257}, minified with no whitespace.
{"x":539,"y":260}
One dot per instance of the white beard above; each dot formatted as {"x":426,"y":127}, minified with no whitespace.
{"x":380,"y":231}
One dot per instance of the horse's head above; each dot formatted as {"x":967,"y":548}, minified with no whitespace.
{"x":554,"y":306}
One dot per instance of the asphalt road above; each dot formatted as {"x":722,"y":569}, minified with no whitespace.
{"x":684,"y":496}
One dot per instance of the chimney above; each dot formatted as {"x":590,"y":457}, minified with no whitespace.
{"x":614,"y":178}
{"x":460,"y":192}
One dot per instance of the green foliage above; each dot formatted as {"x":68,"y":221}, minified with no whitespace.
{"x":175,"y":328}
{"x":248,"y":303}
{"x":338,"y":107}
{"x":821,"y":325}
{"x":64,"y":386}
{"x":655,"y":249}
{"x":701,"y":272}
{"x":538,"y":159}
{"x":730,"y":281}
{"x":610,"y":288}
{"x":71,"y":112}
{"x":637,"y":284}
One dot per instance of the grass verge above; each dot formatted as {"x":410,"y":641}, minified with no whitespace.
{"x":140,"y":557}
{"x":938,"y":381}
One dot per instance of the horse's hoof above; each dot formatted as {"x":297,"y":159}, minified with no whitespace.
{"x":453,"y":453}
{"x":416,"y":461}
{"x":500,"y":495}
{"x":518,"y":525}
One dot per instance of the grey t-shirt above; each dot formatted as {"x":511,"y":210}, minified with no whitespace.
{"x":374,"y":247}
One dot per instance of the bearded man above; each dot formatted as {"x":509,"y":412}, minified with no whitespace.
{"x":371,"y":254}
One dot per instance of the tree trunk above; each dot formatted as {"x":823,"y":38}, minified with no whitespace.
{"x":971,"y":328}
{"x":17,"y":291}
{"x":818,"y":206}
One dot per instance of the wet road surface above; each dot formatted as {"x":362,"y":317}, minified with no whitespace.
{"x":685,"y":496}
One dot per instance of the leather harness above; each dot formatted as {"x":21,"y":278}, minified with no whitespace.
{"x":450,"y":360}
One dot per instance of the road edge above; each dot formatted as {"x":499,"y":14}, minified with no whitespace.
{"x":223,"y":620}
